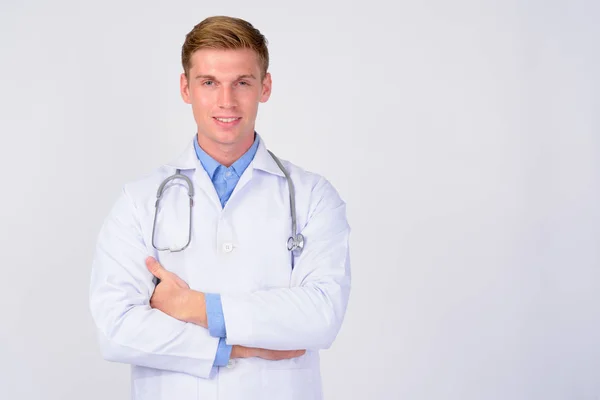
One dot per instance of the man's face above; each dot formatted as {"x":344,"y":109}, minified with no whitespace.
{"x":224,"y":89}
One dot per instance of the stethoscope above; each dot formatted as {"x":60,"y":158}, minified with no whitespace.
{"x":294,"y":243}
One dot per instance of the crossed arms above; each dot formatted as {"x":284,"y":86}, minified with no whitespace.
{"x":165,"y":326}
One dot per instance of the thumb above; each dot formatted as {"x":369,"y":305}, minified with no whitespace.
{"x":155,"y":268}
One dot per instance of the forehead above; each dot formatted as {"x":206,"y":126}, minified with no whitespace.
{"x":224,"y":63}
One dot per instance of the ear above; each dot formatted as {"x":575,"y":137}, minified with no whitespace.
{"x":184,"y":88}
{"x":266,"y":88}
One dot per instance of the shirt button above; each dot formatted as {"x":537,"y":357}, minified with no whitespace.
{"x":227,"y":247}
{"x":228,"y":174}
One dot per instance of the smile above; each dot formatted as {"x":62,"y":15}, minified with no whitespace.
{"x":227,"y":119}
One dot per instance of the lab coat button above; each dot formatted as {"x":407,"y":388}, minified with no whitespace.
{"x":230,"y":364}
{"x":227,"y":247}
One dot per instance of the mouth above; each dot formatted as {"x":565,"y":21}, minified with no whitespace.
{"x":227,"y":119}
{"x":227,"y":122}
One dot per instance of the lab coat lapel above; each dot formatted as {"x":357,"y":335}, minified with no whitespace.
{"x":203,"y":182}
{"x":262,"y":161}
{"x":244,"y":179}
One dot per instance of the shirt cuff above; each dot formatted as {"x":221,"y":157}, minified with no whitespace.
{"x":223,"y":354}
{"x":214,"y":315}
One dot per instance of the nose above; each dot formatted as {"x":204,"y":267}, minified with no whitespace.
{"x":227,"y":97}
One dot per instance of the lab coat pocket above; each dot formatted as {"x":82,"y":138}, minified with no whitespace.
{"x":165,"y":385}
{"x":290,"y":384}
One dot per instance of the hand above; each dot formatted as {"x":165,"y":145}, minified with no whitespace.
{"x":174,"y":297}
{"x":273,"y":355}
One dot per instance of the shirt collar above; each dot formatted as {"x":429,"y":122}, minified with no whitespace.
{"x":210,"y":165}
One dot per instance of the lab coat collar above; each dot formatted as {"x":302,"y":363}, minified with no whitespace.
{"x":262,"y":159}
{"x":187,"y":159}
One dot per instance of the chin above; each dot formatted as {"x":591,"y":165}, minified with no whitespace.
{"x":223,"y":138}
{"x":228,"y":137}
{"x":232,"y":136}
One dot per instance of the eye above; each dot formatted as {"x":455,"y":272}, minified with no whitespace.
{"x":244,"y":83}
{"x":207,"y":83}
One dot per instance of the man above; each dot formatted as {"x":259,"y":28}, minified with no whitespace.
{"x":203,"y":297}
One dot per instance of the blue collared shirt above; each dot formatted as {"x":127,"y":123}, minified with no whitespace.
{"x":224,"y":179}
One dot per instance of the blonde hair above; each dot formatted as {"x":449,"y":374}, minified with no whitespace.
{"x":227,"y":33}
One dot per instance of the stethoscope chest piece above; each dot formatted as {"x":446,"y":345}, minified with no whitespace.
{"x":296,"y":243}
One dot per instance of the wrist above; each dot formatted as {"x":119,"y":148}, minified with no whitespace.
{"x":240,"y":352}
{"x":196,"y":308}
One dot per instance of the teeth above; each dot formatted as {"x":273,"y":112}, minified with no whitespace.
{"x":227,"y":119}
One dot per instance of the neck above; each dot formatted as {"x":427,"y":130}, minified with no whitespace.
{"x":226,"y":153}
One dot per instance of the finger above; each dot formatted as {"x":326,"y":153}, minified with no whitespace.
{"x":289,"y":355}
{"x":276,"y":355}
{"x":295,"y":353}
{"x":155,"y":268}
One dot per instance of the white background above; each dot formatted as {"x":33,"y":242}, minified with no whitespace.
{"x":464,"y":136}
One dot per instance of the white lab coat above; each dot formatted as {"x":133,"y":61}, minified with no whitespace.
{"x":238,"y":251}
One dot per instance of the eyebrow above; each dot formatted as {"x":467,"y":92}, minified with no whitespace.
{"x":212,"y":78}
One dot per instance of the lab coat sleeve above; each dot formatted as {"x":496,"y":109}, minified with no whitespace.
{"x":129,"y":330}
{"x":309,"y":314}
